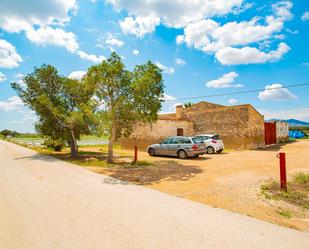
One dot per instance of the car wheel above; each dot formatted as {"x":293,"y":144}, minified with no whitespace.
{"x":219,"y":151}
{"x":182,"y":154}
{"x":151,"y":152}
{"x":210,"y":150}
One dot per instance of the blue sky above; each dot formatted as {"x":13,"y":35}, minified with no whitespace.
{"x":204,"y":47}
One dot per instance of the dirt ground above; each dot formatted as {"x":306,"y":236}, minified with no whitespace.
{"x":230,"y":180}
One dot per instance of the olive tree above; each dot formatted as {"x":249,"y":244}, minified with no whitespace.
{"x":63,"y":106}
{"x":125,"y":97}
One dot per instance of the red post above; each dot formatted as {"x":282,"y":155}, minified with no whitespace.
{"x":282,"y":160}
{"x":135,"y":154}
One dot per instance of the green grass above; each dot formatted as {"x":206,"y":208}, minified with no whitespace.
{"x":94,"y":158}
{"x":297,"y":190}
{"x":284,"y":213}
{"x":301,"y":178}
{"x":28,"y":136}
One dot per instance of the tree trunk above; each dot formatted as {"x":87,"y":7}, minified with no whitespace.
{"x":112,"y":138}
{"x":73,"y":144}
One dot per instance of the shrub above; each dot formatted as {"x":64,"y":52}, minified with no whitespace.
{"x":301,"y":178}
{"x":55,"y":144}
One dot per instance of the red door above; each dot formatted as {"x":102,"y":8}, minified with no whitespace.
{"x":270,"y":133}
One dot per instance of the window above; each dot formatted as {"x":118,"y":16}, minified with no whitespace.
{"x":179,"y":132}
{"x":216,"y":137}
{"x":203,"y":137}
{"x":197,"y":140}
{"x":186,"y":141}
{"x":167,"y":141}
{"x":176,"y":141}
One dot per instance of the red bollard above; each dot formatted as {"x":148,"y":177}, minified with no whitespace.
{"x":135,"y":154}
{"x":283,"y":183}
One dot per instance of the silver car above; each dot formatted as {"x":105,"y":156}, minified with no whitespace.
{"x":183,"y":147}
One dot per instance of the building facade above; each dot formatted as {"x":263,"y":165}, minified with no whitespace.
{"x":239,"y":126}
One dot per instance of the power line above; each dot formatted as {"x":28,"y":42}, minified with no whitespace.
{"x":236,"y":93}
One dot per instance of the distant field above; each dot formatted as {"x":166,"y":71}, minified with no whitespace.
{"x":37,"y":140}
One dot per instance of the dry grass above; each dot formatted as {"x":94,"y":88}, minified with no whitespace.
{"x":297,"y":191}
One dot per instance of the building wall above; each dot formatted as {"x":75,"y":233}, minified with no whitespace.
{"x":145,"y":134}
{"x":239,"y":126}
{"x":282,"y":132}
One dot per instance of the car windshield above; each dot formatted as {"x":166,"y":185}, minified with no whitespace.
{"x":216,"y":137}
{"x":197,"y":140}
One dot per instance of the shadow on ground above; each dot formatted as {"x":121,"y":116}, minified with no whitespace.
{"x":37,"y":156}
{"x":276,"y":147}
{"x":163,"y":170}
{"x":142,"y":174}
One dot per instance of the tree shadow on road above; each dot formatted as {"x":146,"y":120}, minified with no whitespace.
{"x":162,"y":170}
{"x":39,"y":157}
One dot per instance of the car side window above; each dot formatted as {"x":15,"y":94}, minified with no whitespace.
{"x":167,"y":141}
{"x":186,"y":141}
{"x":176,"y":141}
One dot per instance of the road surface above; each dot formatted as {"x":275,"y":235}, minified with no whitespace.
{"x":49,"y":204}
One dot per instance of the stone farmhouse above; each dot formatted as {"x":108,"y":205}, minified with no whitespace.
{"x":239,"y":126}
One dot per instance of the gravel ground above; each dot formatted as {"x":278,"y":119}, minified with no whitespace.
{"x":229,"y":180}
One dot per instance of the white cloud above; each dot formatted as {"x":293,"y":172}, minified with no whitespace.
{"x":210,"y":36}
{"x":250,"y":55}
{"x":300,"y":114}
{"x":20,"y":79}
{"x":16,"y":16}
{"x":165,"y":69}
{"x":135,"y":52}
{"x":224,"y":81}
{"x":90,"y":57}
{"x":233,"y":101}
{"x":2,"y":77}
{"x":275,"y":92}
{"x":282,"y":10}
{"x":42,"y":23}
{"x":167,"y":97}
{"x":169,"y":104}
{"x":49,"y":36}
{"x":139,"y":26}
{"x":113,"y":41}
{"x":12,"y":104}
{"x":180,"y":62}
{"x":305,"y":16}
{"x":144,"y":16}
{"x":242,"y":8}
{"x":77,"y":75}
{"x":9,"y":58}
{"x":27,"y":116}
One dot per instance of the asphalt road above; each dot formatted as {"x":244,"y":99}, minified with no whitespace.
{"x":49,"y":204}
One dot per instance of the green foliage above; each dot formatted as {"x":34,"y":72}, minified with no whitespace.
{"x":56,"y":145}
{"x":6,"y":133}
{"x":284,"y":213}
{"x":63,"y":105}
{"x":302,"y":178}
{"x":297,"y":191}
{"x":188,"y":104}
{"x":126,"y":97}
{"x":108,"y":100}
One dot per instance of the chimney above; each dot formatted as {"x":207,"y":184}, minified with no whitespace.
{"x":179,"y":112}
